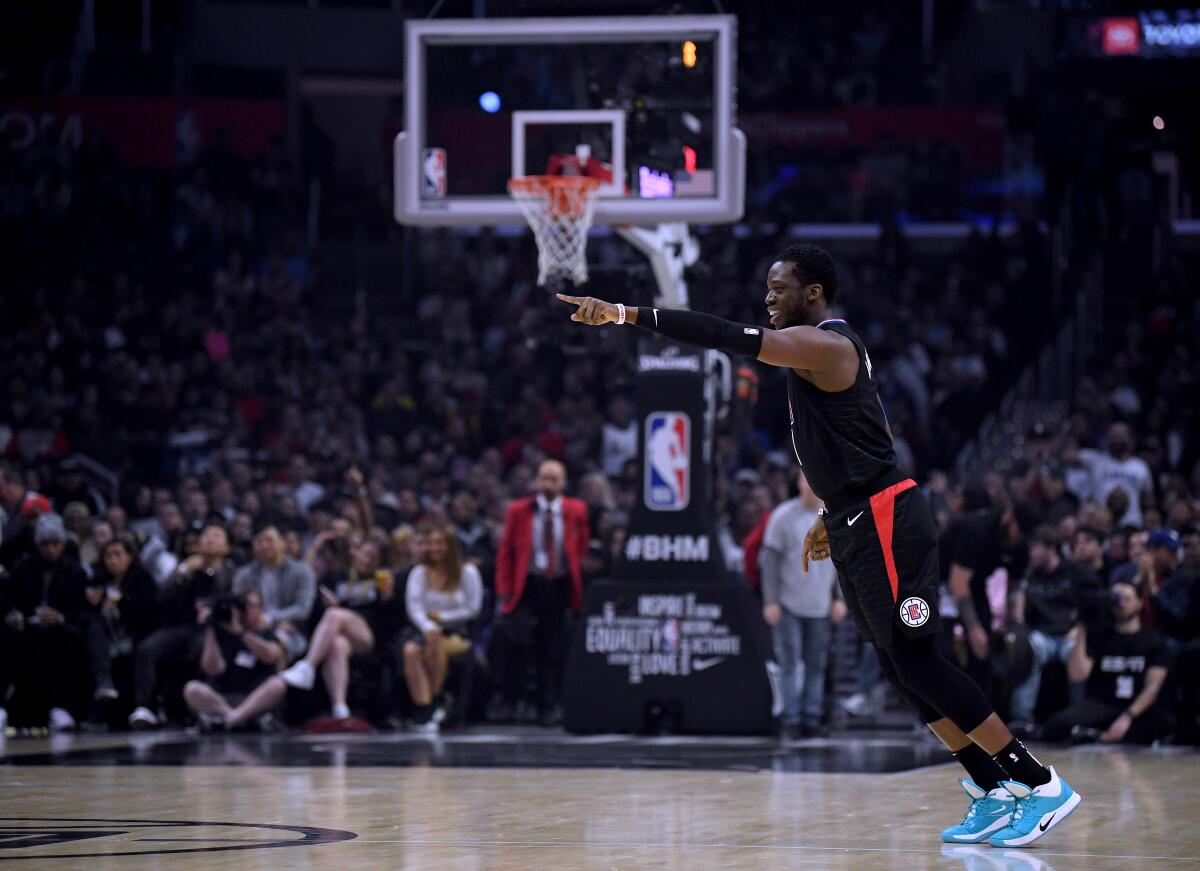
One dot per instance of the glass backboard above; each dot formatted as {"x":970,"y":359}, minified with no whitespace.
{"x":646,"y":105}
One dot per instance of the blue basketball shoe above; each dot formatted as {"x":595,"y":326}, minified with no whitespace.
{"x":1037,"y":810}
{"x":988,"y":813}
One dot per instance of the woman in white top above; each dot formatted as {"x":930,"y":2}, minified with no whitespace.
{"x":443,"y":595}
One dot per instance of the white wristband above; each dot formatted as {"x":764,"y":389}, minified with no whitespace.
{"x":620,"y":313}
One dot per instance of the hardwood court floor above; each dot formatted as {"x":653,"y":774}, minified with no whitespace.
{"x":178,"y":802}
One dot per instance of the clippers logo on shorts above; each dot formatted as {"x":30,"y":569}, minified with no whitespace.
{"x":914,"y":612}
{"x":668,"y":460}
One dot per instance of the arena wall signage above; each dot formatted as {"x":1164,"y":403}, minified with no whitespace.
{"x":672,"y":644}
{"x":1151,"y":33}
{"x":144,"y":132}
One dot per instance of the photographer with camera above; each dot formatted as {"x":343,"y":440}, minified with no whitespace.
{"x":1125,"y":667}
{"x":240,"y":654}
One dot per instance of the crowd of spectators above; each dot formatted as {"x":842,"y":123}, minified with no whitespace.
{"x":173,"y":328}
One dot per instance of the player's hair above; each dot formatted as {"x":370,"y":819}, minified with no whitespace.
{"x":812,"y":265}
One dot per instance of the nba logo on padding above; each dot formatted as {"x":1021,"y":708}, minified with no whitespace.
{"x":668,"y":460}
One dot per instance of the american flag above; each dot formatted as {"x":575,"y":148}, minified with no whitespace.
{"x":695,"y":184}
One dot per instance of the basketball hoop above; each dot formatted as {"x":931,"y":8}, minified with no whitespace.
{"x":559,"y":209}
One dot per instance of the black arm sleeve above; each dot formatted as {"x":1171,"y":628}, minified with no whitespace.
{"x":707,"y":331}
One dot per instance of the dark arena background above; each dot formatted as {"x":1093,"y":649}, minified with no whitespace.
{"x":328,"y":539}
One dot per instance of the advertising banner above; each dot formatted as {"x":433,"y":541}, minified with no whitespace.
{"x":144,"y":131}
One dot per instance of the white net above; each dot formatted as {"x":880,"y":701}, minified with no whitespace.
{"x":559,"y":208}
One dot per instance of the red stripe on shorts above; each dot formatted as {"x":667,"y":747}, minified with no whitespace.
{"x":883,"y":505}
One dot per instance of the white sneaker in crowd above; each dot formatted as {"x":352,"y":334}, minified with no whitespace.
{"x":341,"y":712}
{"x":302,"y":676}
{"x":61,"y":720}
{"x":143,"y":718}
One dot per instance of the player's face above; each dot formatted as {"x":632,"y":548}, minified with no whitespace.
{"x":786,"y":299}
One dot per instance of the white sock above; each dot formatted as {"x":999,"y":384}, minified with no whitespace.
{"x":341,"y":711}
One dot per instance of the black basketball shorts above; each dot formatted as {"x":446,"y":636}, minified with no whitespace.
{"x":885,"y":551}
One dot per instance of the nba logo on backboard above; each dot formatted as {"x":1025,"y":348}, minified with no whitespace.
{"x":668,"y":460}
{"x":433,"y":173}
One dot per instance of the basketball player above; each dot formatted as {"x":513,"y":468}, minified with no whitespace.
{"x":877,"y":527}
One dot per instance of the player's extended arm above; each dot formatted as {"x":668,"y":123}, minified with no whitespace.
{"x":791,"y":348}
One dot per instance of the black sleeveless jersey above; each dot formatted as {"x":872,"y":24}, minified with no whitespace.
{"x":842,"y":439}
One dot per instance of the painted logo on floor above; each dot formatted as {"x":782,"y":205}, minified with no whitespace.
{"x":85,"y":838}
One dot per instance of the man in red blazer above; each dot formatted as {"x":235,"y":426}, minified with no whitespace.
{"x":538,"y":578}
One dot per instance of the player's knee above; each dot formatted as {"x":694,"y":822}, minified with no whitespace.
{"x":192,"y":690}
{"x":412,"y":651}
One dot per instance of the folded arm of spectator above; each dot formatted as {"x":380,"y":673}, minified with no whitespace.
{"x":414,"y":593}
{"x":1079,"y":664}
{"x":472,"y":586}
{"x":212,"y":663}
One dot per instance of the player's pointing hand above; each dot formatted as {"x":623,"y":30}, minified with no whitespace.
{"x":591,"y":311}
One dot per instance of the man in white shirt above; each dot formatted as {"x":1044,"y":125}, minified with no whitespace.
{"x":1118,"y":467}
{"x":619,"y":437}
{"x":799,"y":607}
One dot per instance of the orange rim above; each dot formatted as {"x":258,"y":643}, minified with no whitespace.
{"x":565,"y":195}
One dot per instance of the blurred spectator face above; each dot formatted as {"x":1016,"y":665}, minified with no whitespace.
{"x":117,"y":559}
{"x":1117,"y":502}
{"x":1137,"y":544}
{"x":243,"y":528}
{"x":143,"y":502}
{"x":169,"y":517}
{"x":293,"y":545}
{"x":1127,"y":604}
{"x":117,"y":518}
{"x":366,"y":559}
{"x":463,"y":507}
{"x":410,"y":506}
{"x":1120,"y":441}
{"x":268,"y":547}
{"x":191,"y":542}
{"x":243,"y":477}
{"x":298,"y":469}
{"x":1166,"y":559}
{"x":102,"y":534}
{"x":77,"y":520}
{"x":1086,"y":548}
{"x":252,"y":616}
{"x":12,"y":488}
{"x":251,"y":503}
{"x":1043,"y":549}
{"x":288,"y":508}
{"x":1191,"y":549}
{"x":1067,"y":528}
{"x":52,"y":549}
{"x":195,"y":504}
{"x":222,"y":494}
{"x":618,"y":412}
{"x":435,"y":547}
{"x":1118,"y":547}
{"x":214,"y":542}
{"x":551,"y":479}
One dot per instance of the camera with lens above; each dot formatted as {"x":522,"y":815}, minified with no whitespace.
{"x":223,"y":609}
